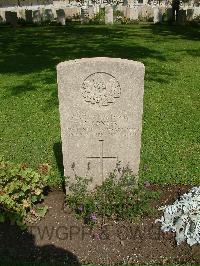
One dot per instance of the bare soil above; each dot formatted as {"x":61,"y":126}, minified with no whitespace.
{"x":60,"y":237}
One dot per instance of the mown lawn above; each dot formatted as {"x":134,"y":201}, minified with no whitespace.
{"x":29,"y":125}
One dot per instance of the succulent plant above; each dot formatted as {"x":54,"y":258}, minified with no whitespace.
{"x":183,"y":217}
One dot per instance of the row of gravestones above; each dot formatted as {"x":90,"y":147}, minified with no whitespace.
{"x":39,"y":15}
{"x":133,"y":13}
{"x":11,"y":3}
{"x":155,"y":13}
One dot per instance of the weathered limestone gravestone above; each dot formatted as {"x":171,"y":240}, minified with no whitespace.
{"x":101,"y":105}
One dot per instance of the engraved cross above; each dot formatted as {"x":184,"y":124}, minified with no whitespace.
{"x":102,"y":157}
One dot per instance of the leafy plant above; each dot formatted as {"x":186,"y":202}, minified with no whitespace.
{"x":20,"y":189}
{"x":118,"y":198}
{"x":183,"y":217}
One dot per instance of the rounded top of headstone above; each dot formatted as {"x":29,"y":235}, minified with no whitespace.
{"x":101,"y":60}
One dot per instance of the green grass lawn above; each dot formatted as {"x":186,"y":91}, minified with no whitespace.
{"x":29,"y":125}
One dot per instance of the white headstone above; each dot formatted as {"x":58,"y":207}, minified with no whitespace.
{"x":101,"y":106}
{"x":157,"y":16}
{"x":196,"y":12}
{"x":133,"y":13}
{"x":108,"y":14}
{"x":21,"y":13}
{"x":190,"y":14}
{"x":2,"y":16}
{"x":96,"y":9}
{"x":91,"y":12}
{"x":84,"y":15}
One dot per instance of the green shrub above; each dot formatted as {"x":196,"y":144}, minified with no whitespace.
{"x":118,"y":198}
{"x":20,"y":189}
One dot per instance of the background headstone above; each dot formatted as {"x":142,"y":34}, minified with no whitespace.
{"x":146,"y":12}
{"x":91,"y":13}
{"x":60,"y":16}
{"x":37,"y":16}
{"x":196,"y":12}
{"x":48,"y":15}
{"x":21,"y":13}
{"x":29,"y":16}
{"x":157,"y":15}
{"x":101,"y":106}
{"x":84,"y":15}
{"x":96,"y":9}
{"x":68,"y":12}
{"x":133,"y":13}
{"x":54,"y":12}
{"x":11,"y":18}
{"x":108,"y":14}
{"x":190,"y":13}
{"x":182,"y":17}
{"x":2,"y":16}
{"x":169,"y":14}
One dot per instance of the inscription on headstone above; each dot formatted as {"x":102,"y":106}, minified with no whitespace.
{"x":101,"y":105}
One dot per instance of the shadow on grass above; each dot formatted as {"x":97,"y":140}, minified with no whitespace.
{"x":29,"y":50}
{"x":182,"y":32}
{"x":25,"y":86}
{"x":18,"y":247}
{"x":34,"y":53}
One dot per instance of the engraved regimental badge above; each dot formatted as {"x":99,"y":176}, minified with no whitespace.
{"x":100,"y":89}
